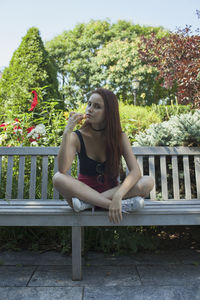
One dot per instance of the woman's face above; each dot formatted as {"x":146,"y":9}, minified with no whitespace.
{"x":95,"y":111}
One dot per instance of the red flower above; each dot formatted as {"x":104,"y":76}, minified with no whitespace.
{"x":16,"y":128}
{"x":35,"y":100}
{"x":3,"y":125}
{"x":30,"y":129}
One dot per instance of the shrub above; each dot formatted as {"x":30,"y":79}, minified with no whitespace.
{"x":136,"y":118}
{"x":167,"y":111}
{"x":30,"y":69}
{"x":181,"y":130}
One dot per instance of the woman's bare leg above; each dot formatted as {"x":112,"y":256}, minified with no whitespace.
{"x":142,"y":188}
{"x":70,"y":187}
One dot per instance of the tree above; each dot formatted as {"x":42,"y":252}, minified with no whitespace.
{"x":77,"y":51}
{"x":177,"y":58}
{"x":116,"y":64}
{"x":30,"y":69}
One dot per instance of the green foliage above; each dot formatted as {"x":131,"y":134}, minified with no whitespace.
{"x":121,"y":240}
{"x":102,"y":54}
{"x":48,"y":127}
{"x":180,"y":130}
{"x":166,"y":111}
{"x":136,"y":118}
{"x":30,"y":68}
{"x":116,"y":64}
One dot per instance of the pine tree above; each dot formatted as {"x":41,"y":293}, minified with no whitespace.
{"x":30,"y":69}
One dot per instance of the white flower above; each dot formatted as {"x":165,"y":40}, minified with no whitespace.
{"x":40,"y":129}
{"x":34,"y":144}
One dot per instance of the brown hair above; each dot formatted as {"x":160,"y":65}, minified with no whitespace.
{"x":113,"y":132}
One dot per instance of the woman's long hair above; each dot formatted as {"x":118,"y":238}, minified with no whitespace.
{"x":113,"y":132}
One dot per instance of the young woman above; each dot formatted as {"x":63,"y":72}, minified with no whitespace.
{"x":100,"y":143}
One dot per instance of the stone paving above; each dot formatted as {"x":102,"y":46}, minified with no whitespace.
{"x":167,"y":275}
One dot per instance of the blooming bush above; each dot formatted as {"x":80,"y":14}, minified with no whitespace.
{"x":29,"y":129}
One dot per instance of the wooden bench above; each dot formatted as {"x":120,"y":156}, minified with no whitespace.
{"x":27,"y":197}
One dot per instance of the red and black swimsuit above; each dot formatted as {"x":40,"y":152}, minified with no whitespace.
{"x":92,"y":172}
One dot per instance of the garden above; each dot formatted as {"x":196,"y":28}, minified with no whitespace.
{"x":44,"y":82}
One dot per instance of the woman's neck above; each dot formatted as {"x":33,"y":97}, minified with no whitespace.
{"x":97,"y":130}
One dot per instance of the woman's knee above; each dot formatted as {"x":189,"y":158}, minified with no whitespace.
{"x":145,"y":184}
{"x":150,"y":182}
{"x":57,"y":178}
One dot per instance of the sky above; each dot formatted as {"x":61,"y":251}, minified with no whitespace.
{"x":52,"y":17}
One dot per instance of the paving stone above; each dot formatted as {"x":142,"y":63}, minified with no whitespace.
{"x":41,"y":293}
{"x":34,"y":258}
{"x":15,"y":276}
{"x":175,"y":275}
{"x":163,"y":257}
{"x":142,"y":293}
{"x":92,"y":276}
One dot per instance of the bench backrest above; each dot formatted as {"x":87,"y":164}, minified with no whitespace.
{"x":26,"y":172}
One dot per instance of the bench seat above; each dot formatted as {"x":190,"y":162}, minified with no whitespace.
{"x":58,"y":213}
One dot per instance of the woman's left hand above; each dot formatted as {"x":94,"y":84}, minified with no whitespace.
{"x":115,"y":210}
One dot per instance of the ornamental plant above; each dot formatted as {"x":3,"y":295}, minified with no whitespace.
{"x":177,"y":58}
{"x":29,"y":130}
{"x":180,"y":130}
{"x":30,"y":69}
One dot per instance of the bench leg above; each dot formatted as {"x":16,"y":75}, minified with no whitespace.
{"x":76,"y":253}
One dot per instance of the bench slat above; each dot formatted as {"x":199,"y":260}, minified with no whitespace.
{"x":9,"y":178}
{"x":140,"y":163}
{"x":152,"y":174}
{"x":29,"y":151}
{"x":0,"y":168}
{"x":175,"y":175}
{"x":50,"y":202}
{"x":56,"y":210}
{"x":44,"y":176}
{"x":20,"y":192}
{"x":163,"y":171}
{"x":187,"y":181}
{"x":32,"y":177}
{"x":55,"y":192}
{"x":33,"y":202}
{"x":136,"y":150}
{"x":166,"y":150}
{"x":197,"y":174}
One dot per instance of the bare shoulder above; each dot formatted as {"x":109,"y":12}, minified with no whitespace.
{"x":74,"y":140}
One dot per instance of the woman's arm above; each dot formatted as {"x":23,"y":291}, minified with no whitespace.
{"x":115,"y":213}
{"x":69,"y":145}
{"x":134,"y":171}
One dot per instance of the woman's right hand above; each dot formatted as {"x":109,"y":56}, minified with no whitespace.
{"x":74,"y":119}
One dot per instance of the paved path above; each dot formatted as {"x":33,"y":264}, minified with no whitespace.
{"x":169,"y":275}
